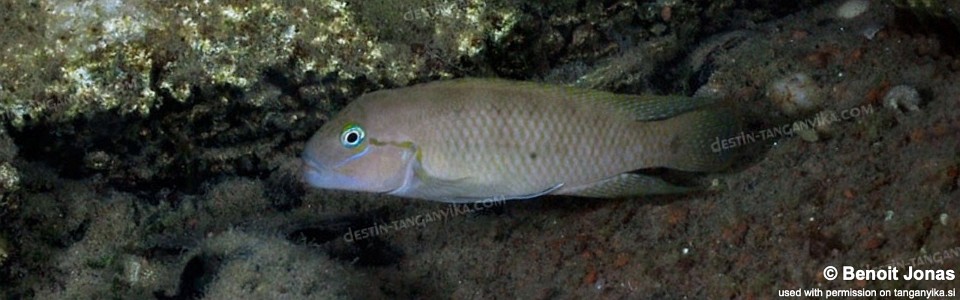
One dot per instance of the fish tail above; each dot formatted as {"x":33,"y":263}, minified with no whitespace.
{"x":705,"y":140}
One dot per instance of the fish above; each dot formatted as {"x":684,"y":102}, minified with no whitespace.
{"x":473,"y":140}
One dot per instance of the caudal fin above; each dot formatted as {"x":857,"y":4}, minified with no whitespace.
{"x":707,"y":140}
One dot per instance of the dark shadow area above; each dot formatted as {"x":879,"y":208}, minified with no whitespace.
{"x":922,"y":22}
{"x":352,"y":238}
{"x":199,"y":272}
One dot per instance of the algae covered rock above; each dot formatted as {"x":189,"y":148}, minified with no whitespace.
{"x":9,"y":176}
{"x":4,"y":250}
{"x":63,"y":58}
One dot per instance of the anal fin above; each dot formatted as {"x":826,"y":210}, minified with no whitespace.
{"x":629,"y":184}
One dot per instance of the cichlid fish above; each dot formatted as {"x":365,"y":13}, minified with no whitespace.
{"x":474,"y":140}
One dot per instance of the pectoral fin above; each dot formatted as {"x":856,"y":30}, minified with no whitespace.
{"x":629,"y":184}
{"x":496,"y":198}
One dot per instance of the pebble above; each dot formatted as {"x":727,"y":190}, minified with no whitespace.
{"x":795,"y":94}
{"x":852,"y":8}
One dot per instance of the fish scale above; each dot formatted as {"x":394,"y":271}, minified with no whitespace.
{"x":500,"y":146}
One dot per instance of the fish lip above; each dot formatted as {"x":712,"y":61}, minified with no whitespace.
{"x":317,"y":175}
{"x":312,"y":169}
{"x":310,"y":164}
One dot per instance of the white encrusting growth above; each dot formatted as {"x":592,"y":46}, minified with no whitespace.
{"x":852,"y":9}
{"x":902,"y":97}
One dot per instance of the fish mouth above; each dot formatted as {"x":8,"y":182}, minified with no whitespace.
{"x":316,"y":174}
{"x":312,"y":172}
{"x":319,"y":176}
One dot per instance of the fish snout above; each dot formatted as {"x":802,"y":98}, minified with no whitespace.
{"x":311,"y":172}
{"x":318,"y":175}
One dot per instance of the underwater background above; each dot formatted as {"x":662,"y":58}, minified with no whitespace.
{"x":150,"y":150}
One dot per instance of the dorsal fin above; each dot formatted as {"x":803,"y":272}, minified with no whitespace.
{"x":639,"y":107}
{"x":651,"y":107}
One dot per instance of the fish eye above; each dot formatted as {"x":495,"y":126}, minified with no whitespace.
{"x":352,"y":136}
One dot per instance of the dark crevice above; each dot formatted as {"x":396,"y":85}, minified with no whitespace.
{"x":199,"y":272}
{"x":354,"y":239}
{"x":946,"y":31}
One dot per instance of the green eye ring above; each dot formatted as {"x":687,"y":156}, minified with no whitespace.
{"x":352,"y":136}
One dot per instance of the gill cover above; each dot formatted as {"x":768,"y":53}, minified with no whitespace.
{"x":345,"y":155}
